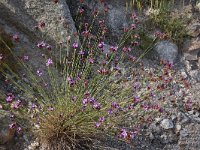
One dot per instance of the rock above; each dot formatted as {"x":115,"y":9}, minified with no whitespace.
{"x":194,"y":29}
{"x":192,"y":45}
{"x":198,"y":7}
{"x":31,"y":12}
{"x":168,"y":137}
{"x":191,"y":56}
{"x":198,"y":63}
{"x":6,"y":134}
{"x":195,"y":74}
{"x":22,"y":17}
{"x":167,"y":124}
{"x":166,"y":51}
{"x":115,"y":19}
{"x":2,"y":148}
{"x":189,"y":137}
{"x":33,"y":145}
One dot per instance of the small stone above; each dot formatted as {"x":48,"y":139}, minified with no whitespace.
{"x":198,"y":7}
{"x":151,"y":136}
{"x":157,"y":120}
{"x":191,"y":112}
{"x":187,"y":65}
{"x":178,"y":128}
{"x":167,"y":124}
{"x":184,"y":132}
{"x":2,"y":148}
{"x":184,"y":74}
{"x":173,"y":117}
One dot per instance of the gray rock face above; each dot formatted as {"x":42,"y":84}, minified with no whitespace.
{"x":115,"y":18}
{"x":24,"y":15}
{"x":21,"y":18}
{"x":166,"y":51}
{"x":167,"y":124}
{"x":6,"y":134}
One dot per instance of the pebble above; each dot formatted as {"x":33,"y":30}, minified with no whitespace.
{"x":178,"y":128}
{"x":167,"y":124}
{"x":184,"y":132}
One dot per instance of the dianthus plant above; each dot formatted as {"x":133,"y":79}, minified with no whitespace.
{"x":82,"y":91}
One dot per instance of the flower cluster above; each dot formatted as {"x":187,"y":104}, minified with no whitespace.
{"x":43,"y":45}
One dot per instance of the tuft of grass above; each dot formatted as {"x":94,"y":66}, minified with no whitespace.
{"x":160,"y":16}
{"x":89,"y":97}
{"x":173,"y":27}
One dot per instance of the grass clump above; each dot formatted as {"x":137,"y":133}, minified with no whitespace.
{"x":161,"y":16}
{"x":173,"y":27}
{"x":89,"y":97}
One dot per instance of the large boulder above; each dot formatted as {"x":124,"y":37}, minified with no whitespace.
{"x":24,"y":15}
{"x":115,"y":18}
{"x":166,"y":51}
{"x":22,"y":18}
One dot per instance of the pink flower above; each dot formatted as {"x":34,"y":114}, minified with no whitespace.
{"x":114,"y":105}
{"x":103,"y":71}
{"x":12,"y":125}
{"x":75,"y":45}
{"x":101,"y":22}
{"x":16,"y":104}
{"x":113,"y":49}
{"x":91,"y":60}
{"x":1,"y":106}
{"x":50,"y":108}
{"x":10,"y":97}
{"x":41,"y":24}
{"x":19,"y":130}
{"x":97,"y":124}
{"x":92,"y":100}
{"x":26,"y":57}
{"x":97,"y":105}
{"x":133,"y":26}
{"x":101,"y":45}
{"x":85,"y":101}
{"x":71,"y":81}
{"x":39,"y":73}
{"x":41,"y":44}
{"x":123,"y":134}
{"x":85,"y":33}
{"x":33,"y":106}
{"x":136,"y":99}
{"x":49,"y":47}
{"x":101,"y":119}
{"x":81,"y":11}
{"x":49,"y":62}
{"x":81,"y":52}
{"x":15,"y":38}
